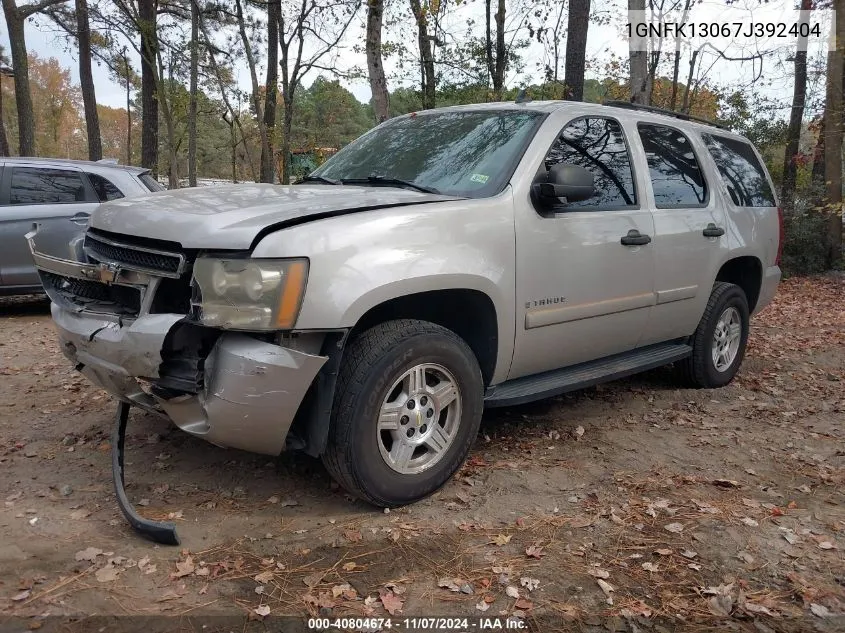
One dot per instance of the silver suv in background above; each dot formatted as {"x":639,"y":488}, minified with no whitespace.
{"x":446,"y":261}
{"x":60,"y":196}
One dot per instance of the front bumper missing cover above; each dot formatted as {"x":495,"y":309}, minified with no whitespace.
{"x":248,"y":390}
{"x":251,"y":389}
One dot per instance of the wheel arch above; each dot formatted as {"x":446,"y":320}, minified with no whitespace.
{"x":469,"y":313}
{"x":745,"y":271}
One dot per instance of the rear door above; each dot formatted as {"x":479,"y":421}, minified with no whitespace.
{"x":60,"y":199}
{"x":689,"y":229}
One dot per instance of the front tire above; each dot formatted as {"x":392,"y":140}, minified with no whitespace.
{"x":718,"y":345}
{"x":407,"y":409}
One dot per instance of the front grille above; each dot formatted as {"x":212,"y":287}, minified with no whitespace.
{"x":134,"y":257}
{"x":95,"y":296}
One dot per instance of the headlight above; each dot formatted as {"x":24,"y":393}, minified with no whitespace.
{"x":249,"y":294}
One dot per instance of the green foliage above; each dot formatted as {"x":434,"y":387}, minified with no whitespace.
{"x":327,"y":115}
{"x":805,"y":245}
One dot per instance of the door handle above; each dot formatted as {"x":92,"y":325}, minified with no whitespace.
{"x":635,"y":238}
{"x":80,"y":218}
{"x":713,"y":231}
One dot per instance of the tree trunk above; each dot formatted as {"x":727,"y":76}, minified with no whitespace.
{"x":817,"y":173}
{"x":192,"y":95}
{"x":4,"y":140}
{"x":639,"y":63}
{"x":576,"y":49}
{"x":86,"y":79}
{"x":685,"y":107}
{"x":496,"y":56}
{"x":501,"y":53}
{"x":833,"y":138}
{"x":796,"y":116}
{"x":23,"y":97}
{"x":375,"y":67}
{"x":149,"y":92}
{"x":274,"y":9}
{"x":427,"y":79}
{"x":256,"y":93}
{"x":287,"y":125}
{"x":677,"y":63}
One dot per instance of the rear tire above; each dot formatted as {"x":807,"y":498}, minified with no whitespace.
{"x":718,"y":345}
{"x":407,"y":409}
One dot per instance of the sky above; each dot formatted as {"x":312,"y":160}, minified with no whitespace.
{"x":604,"y":41}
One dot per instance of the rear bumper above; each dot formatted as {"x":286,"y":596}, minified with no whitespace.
{"x":251,"y":389}
{"x":771,"y":279}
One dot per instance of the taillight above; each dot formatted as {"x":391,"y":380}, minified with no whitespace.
{"x":780,"y":236}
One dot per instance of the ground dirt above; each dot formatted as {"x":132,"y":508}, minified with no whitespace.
{"x":632,"y":506}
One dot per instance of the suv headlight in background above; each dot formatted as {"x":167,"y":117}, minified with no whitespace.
{"x":248,"y":294}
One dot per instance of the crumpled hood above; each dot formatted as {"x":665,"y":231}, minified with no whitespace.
{"x":233,"y":216}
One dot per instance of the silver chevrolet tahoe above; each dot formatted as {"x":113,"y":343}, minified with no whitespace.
{"x":444,"y":262}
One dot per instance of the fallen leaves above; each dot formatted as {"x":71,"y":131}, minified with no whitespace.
{"x":391,"y":601}
{"x":501,"y":539}
{"x":184,"y":568}
{"x":675,"y":528}
{"x":262,"y":610}
{"x":264,"y":577}
{"x":534,"y":551}
{"x":89,"y":554}
{"x":529,"y":583}
{"x":108,"y":573}
{"x":607,"y":588}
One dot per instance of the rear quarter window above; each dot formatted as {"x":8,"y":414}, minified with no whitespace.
{"x":105,"y":188}
{"x":743,"y":175}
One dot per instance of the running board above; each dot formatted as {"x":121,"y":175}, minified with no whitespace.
{"x":558,"y":381}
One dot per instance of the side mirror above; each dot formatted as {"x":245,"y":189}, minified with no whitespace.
{"x":573,"y":183}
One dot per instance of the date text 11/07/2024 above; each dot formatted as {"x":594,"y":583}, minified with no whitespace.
{"x":433,"y":624}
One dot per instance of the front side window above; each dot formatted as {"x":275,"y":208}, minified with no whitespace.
{"x":105,"y":188}
{"x":33,"y":185}
{"x":459,"y":153}
{"x":676,"y":178}
{"x":598,"y":145}
{"x":741,"y":170}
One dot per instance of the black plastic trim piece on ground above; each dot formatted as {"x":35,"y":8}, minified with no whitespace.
{"x":164,"y":533}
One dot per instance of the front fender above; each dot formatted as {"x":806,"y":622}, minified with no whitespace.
{"x":358,"y":262}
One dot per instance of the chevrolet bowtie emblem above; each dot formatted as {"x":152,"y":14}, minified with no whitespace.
{"x":106,"y":273}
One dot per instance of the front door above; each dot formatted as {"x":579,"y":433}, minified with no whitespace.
{"x":585,"y":269}
{"x":59,"y":199}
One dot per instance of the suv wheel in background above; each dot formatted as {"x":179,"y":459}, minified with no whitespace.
{"x":718,"y":344}
{"x":407,"y":409}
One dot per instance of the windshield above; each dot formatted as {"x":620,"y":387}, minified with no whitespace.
{"x":460,"y":153}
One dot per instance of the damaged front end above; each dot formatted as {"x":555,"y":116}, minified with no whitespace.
{"x":123,"y":314}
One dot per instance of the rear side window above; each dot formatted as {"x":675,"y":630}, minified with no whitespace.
{"x":676,"y":178}
{"x":105,"y":188}
{"x":742,"y":172}
{"x":150,"y":183}
{"x":598,"y":145}
{"x":32,"y":185}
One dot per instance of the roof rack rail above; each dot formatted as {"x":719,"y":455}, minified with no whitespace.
{"x":677,"y":115}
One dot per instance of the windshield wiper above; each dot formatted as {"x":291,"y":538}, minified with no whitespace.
{"x":388,"y":180}
{"x":328,"y":181}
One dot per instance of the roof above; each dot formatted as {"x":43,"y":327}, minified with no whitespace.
{"x":551,"y":106}
{"x":105,"y":164}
